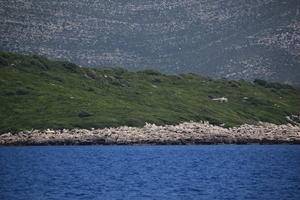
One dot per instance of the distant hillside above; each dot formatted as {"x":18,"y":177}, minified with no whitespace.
{"x":221,"y":38}
{"x":38,"y":93}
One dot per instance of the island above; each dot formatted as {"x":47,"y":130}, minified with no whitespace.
{"x":46,"y":102}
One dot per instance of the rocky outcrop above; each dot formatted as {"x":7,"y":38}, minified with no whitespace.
{"x":189,"y":133}
{"x":221,"y":100}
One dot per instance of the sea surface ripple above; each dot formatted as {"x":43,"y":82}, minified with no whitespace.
{"x":150,"y":172}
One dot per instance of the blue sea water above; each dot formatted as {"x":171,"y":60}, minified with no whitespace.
{"x":150,"y":172}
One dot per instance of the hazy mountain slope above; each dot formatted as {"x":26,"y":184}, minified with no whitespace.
{"x":223,"y":38}
{"x":38,"y":93}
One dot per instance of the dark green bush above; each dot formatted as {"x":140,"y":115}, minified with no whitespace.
{"x":260,"y":82}
{"x":22,"y":92}
{"x":70,"y":66}
{"x":84,"y":114}
{"x":279,"y":86}
{"x":157,"y":80}
{"x":120,"y":70}
{"x":272,"y":85}
{"x":3,"y":62}
{"x":151,"y":72}
{"x":8,"y":93}
{"x":257,"y":102}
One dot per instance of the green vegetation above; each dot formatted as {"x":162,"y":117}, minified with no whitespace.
{"x":38,"y":93}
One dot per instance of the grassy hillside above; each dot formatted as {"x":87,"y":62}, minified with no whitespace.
{"x":38,"y":93}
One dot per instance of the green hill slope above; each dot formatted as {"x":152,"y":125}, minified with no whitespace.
{"x":38,"y":93}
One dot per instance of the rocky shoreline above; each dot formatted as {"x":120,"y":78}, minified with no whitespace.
{"x":189,"y":133}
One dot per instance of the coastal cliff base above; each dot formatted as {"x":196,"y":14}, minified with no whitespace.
{"x":190,"y":133}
